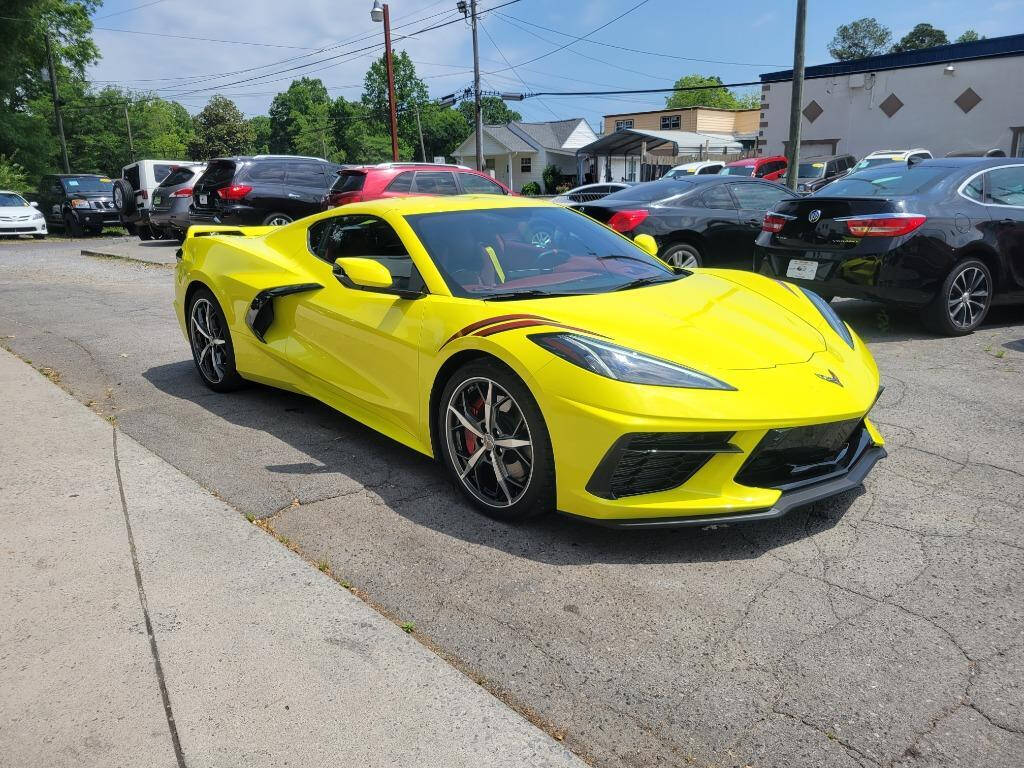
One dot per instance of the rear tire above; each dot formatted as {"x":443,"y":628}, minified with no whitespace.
{"x":210,"y":340}
{"x":497,"y":452}
{"x":962,"y":302}
{"x":682,"y":255}
{"x":277,"y":220}
{"x":144,"y":232}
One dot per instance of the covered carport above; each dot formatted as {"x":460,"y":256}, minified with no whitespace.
{"x":633,"y":154}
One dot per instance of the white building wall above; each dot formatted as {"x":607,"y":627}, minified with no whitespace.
{"x":929,"y":116}
{"x":582,"y":135}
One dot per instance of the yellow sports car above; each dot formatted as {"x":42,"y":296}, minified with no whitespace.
{"x":546,"y":361}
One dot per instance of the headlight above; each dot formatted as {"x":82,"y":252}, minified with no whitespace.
{"x":79,"y":203}
{"x":622,"y":364}
{"x":835,"y":322}
{"x":37,"y":215}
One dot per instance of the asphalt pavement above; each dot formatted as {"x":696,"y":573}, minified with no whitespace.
{"x":885,"y":627}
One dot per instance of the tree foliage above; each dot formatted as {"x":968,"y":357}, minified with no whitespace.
{"x":220,"y":130}
{"x":493,"y":110}
{"x":860,"y":38}
{"x":969,"y":36}
{"x":717,"y":95}
{"x":921,"y":36}
{"x":300,"y":120}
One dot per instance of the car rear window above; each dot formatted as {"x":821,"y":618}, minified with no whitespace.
{"x":218,"y":174}
{"x":650,"y":191}
{"x":348,"y":181}
{"x":737,"y":170}
{"x":177,"y":176}
{"x":891,"y":181}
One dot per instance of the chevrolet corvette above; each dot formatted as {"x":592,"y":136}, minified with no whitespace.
{"x":545,"y":360}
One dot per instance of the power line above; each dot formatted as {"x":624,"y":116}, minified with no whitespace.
{"x":204,"y":39}
{"x":646,"y":90}
{"x":127,"y":10}
{"x":525,"y":84}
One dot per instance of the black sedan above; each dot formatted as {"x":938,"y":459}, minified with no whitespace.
{"x":698,"y":221}
{"x":945,"y":237}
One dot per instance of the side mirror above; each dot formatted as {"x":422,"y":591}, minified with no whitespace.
{"x":647,"y":244}
{"x":34,"y":204}
{"x":366,"y":274}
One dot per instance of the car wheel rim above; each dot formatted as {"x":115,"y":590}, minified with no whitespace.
{"x":489,"y":442}
{"x":682,"y":259}
{"x":208,"y":341}
{"x":279,"y":221}
{"x":967,"y":298}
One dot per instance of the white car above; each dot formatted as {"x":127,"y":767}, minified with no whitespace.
{"x":696,"y":168}
{"x":883,"y":156}
{"x":20,"y":217}
{"x":590,"y":192}
{"x":133,"y":193}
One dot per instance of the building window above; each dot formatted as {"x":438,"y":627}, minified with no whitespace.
{"x":1017,"y":142}
{"x":670,"y":123}
{"x":622,"y":124}
{"x":525,"y":164}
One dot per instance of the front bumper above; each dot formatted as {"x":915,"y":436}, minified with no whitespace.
{"x":90,"y":218}
{"x":29,"y":227}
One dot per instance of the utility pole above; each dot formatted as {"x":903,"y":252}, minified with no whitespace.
{"x":378,"y":13}
{"x":479,"y":125}
{"x":131,"y":144}
{"x":56,"y":104}
{"x":797,"y":95}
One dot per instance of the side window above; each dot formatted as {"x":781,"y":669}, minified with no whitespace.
{"x":758,"y":196}
{"x":401,"y":183}
{"x":1006,"y":186}
{"x":306,"y":175}
{"x":266,"y":172}
{"x":478,"y":185}
{"x":365,"y":237}
{"x":718,"y":197}
{"x":435,"y":183}
{"x":976,"y":189}
{"x":160,"y":172}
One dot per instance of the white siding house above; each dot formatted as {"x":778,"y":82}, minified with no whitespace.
{"x":518,"y":152}
{"x":951,"y":98}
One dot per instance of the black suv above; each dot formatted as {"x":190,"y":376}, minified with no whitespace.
{"x":76,"y":202}
{"x":263,"y":189}
{"x":813,"y":173}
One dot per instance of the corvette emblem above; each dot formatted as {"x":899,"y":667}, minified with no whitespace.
{"x":814,"y":215}
{"x":831,"y":378}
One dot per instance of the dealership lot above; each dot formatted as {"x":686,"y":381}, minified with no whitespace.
{"x":883,"y":627}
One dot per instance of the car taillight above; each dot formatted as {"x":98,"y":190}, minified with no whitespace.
{"x":773,"y":222}
{"x":234,"y":192}
{"x":144,"y":193}
{"x":344,"y":198}
{"x":624,"y":221}
{"x":890,"y":225}
{"x":183,"y":192}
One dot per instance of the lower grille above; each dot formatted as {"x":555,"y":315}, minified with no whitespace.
{"x":648,"y":462}
{"x":789,"y":458}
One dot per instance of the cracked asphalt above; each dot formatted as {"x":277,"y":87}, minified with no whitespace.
{"x":882,"y":628}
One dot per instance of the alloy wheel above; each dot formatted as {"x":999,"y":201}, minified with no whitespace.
{"x":489,"y":442}
{"x":278,"y":221}
{"x":968,"y":297}
{"x":681,"y":259}
{"x":208,"y":340}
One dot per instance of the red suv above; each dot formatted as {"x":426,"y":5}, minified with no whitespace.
{"x":768,"y":168}
{"x":356,"y":183}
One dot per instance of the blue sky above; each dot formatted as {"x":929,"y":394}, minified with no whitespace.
{"x":736,"y":41}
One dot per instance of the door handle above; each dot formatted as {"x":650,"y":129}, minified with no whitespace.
{"x":292,"y":194}
{"x":1009,"y":222}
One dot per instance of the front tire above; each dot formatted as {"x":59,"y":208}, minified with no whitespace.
{"x":682,"y":255}
{"x":962,"y":303}
{"x":492,"y":440}
{"x":210,"y":339}
{"x":72,"y":228}
{"x":144,"y":232}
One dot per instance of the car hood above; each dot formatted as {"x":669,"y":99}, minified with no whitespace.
{"x":16,"y":210}
{"x":706,"y":321}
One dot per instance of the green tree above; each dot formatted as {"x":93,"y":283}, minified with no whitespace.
{"x":13,"y":176}
{"x":444,"y":129}
{"x":969,"y":36}
{"x":260,"y":127}
{"x":494,"y":111}
{"x":715,"y":96}
{"x":299,"y":119}
{"x":860,"y":38}
{"x":922,"y":36}
{"x":220,"y":130}
{"x":161,"y":129}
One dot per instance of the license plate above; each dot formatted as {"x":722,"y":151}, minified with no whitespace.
{"x":202,"y":199}
{"x":801,"y":269}
{"x":157,"y":199}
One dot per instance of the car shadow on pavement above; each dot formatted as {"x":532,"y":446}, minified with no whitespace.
{"x":880,"y":324}
{"x":415,"y":487}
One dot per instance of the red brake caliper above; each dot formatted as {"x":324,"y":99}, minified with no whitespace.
{"x":476,"y":408}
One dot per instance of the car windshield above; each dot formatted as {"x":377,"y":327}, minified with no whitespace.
{"x":677,"y":173}
{"x":737,"y":170}
{"x":650,"y":191}
{"x":872,"y":162}
{"x":88,"y":184}
{"x":811,"y":170}
{"x":511,"y":253}
{"x":11,"y":200}
{"x":891,"y":181}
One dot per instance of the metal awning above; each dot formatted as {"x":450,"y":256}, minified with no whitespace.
{"x":631,"y":141}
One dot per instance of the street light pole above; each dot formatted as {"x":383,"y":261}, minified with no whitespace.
{"x":379,"y":12}
{"x":477,"y":112}
{"x":797,"y":95}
